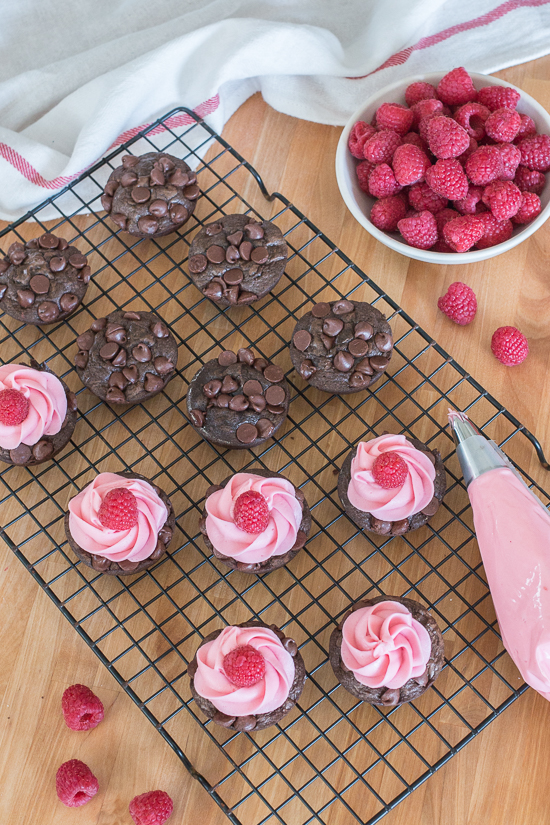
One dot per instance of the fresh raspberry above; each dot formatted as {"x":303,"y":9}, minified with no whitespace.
{"x":527,"y":129}
{"x":251,"y":512}
{"x":409,"y":164}
{"x":529,"y":180}
{"x":484,"y":165}
{"x":382,"y":182}
{"x":472,"y":117}
{"x":463,"y":232}
{"x":414,"y":139}
{"x":363,"y":170}
{"x":441,"y":246}
{"x":82,"y":709}
{"x":423,"y":126}
{"x":497,"y":97}
{"x":469,"y":204}
{"x":390,"y":470}
{"x":420,"y":90}
{"x":425,"y":108}
{"x":387,"y":212}
{"x":510,"y":156}
{"x":443,"y":217}
{"x":14,"y":407}
{"x":503,"y":125}
{"x":118,"y":510}
{"x":151,"y":808}
{"x":446,"y":137}
{"x":421,"y":197}
{"x":447,"y":178}
{"x":75,"y":783}
{"x":244,"y":666}
{"x":469,"y":151}
{"x":419,"y":230}
{"x":495,"y":232}
{"x":529,"y":209}
{"x":459,"y":303}
{"x":358,"y":136}
{"x":456,"y":88}
{"x":535,"y":152}
{"x":394,"y":116}
{"x":380,"y":147}
{"x":503,"y":199}
{"x":509,"y":346}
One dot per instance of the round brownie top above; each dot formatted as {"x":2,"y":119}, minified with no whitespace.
{"x":43,"y":280}
{"x":237,"y":259}
{"x":237,"y":400}
{"x":126,"y":357}
{"x":342,"y":346}
{"x":153,"y":194}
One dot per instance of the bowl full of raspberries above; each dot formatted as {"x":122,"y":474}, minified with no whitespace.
{"x":447,"y":168}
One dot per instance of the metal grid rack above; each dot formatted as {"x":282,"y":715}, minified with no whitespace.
{"x":332,"y":758}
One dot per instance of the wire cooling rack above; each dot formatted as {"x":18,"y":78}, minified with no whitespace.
{"x":332,"y":759}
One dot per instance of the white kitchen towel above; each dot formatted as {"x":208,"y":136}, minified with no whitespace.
{"x":78,"y":77}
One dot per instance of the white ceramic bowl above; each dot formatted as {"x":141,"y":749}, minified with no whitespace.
{"x":360,"y":203}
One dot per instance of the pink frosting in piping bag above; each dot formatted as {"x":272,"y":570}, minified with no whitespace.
{"x":47,"y":405}
{"x":384,"y":646}
{"x":285,"y":513}
{"x":263,"y":697}
{"x":397,"y":503}
{"x":136,"y":543}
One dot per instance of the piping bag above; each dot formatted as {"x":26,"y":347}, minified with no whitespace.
{"x":513,"y":533}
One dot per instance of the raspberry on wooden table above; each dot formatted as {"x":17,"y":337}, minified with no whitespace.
{"x":495,"y":231}
{"x":244,"y":666}
{"x":484,"y":165}
{"x":251,"y":512}
{"x":118,"y":510}
{"x":82,"y":709}
{"x":419,"y":230}
{"x":463,"y":232}
{"x":503,"y":199}
{"x":446,"y":178}
{"x":420,"y":90}
{"x":151,"y":808}
{"x":509,"y":346}
{"x":456,"y":88}
{"x":394,"y":116}
{"x":529,"y":209}
{"x":387,"y":212}
{"x":535,"y":152}
{"x":446,"y":137}
{"x":497,"y":97}
{"x":75,"y":784}
{"x":14,"y":407}
{"x":390,"y":470}
{"x":459,"y":303}
{"x":503,"y":125}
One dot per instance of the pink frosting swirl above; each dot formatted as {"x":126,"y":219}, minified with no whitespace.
{"x":47,"y":405}
{"x":263,"y":697}
{"x":400,"y":502}
{"x":285,"y":516}
{"x":136,"y":543}
{"x":384,"y":646}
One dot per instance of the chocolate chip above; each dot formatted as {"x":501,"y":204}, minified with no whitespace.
{"x":99,"y":323}
{"x":246,"y":433}
{"x":265,"y":427}
{"x":307,"y":369}
{"x":273,"y":373}
{"x":212,"y":388}
{"x":226,"y":358}
{"x":213,"y":229}
{"x":108,"y":351}
{"x":110,"y":187}
{"x":48,"y":241}
{"x":358,"y":380}
{"x":333,"y":326}
{"x":140,"y":194}
{"x":25,"y":297}
{"x":301,"y":537}
{"x":128,"y":179}
{"x":159,"y":330}
{"x":191,"y":192}
{"x":260,"y":364}
{"x":3,"y":288}
{"x":254,"y":231}
{"x":157,"y":178}
{"x":245,"y":250}
{"x":68,"y":302}
{"x":120,"y":359}
{"x":131,"y":373}
{"x":290,"y":646}
{"x":259,"y":255}
{"x":100,"y":563}
{"x":179,"y":177}
{"x":245,"y":723}
{"x":245,"y":356}
{"x":178,"y":213}
{"x":115,"y":332}
{"x":328,"y":343}
{"x":232,"y":254}
{"x":132,"y":316}
{"x":301,"y":339}
{"x":106,"y":202}
{"x":163,"y":365}
{"x":158,"y":551}
{"x":81,"y":359}
{"x":77,"y":260}
{"x":115,"y":396}
{"x":343,"y":361}
{"x":239,"y":403}
{"x":390,"y":697}
{"x":232,"y":294}
{"x":358,"y":347}
{"x":400,"y":527}
{"x":236,"y":238}
{"x":320,"y":310}
{"x":379,"y":362}
{"x":57,"y":264}
{"x":252,"y":387}
{"x":229,"y":384}
{"x":72,"y":404}
{"x":257,"y":402}
{"x":246,"y":297}
{"x":383,"y":341}
{"x":379,"y":526}
{"x":42,"y":450}
{"x":363,"y":330}
{"x":118,"y":379}
{"x":129,"y":160}
{"x":119,"y":219}
{"x":364,"y":367}
{"x":48,"y":312}
{"x":20,"y":454}
{"x":40,"y":284}
{"x":152,"y":382}
{"x":276,"y":410}
{"x":158,"y":208}
{"x":223,"y":400}
{"x":431,"y":508}
{"x":148,"y":225}
{"x":215,"y":254}
{"x":422,"y":680}
{"x":213,"y":291}
{"x":275,"y":395}
{"x":342,"y":307}
{"x":233,"y":276}
{"x":127,"y":565}
{"x":141,"y":353}
{"x":85,"y":274}
{"x":223,"y":719}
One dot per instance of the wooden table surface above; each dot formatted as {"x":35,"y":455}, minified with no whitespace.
{"x":501,"y":777}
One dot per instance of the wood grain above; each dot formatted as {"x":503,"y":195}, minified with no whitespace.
{"x":502,"y":775}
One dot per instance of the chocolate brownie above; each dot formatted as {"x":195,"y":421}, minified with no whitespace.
{"x":126,"y":357}
{"x":43,"y":280}
{"x":151,"y":195}
{"x":390,"y":697}
{"x":366,"y":521}
{"x":275,"y":561}
{"x":236,"y":259}
{"x":261,"y":720}
{"x":342,"y":346}
{"x":48,"y":445}
{"x":237,"y":400}
{"x":125,"y":568}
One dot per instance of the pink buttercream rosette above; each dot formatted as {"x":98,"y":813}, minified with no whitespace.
{"x":384,"y":646}
{"x":136,"y":543}
{"x":285,"y":516}
{"x":47,"y":405}
{"x":266,"y":695}
{"x":398,"y":503}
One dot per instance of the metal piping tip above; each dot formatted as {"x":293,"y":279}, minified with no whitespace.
{"x":477,"y":454}
{"x":461,"y":426}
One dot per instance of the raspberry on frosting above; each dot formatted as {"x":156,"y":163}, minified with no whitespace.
{"x":41,"y":397}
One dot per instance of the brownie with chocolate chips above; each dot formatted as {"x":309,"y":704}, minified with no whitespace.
{"x":342,"y":346}
{"x":43,"y":280}
{"x":259,"y":568}
{"x":260,"y":720}
{"x":126,"y":357}
{"x":366,"y":521}
{"x":127,"y":567}
{"x":413,"y":688}
{"x":236,"y":260}
{"x":237,"y":400}
{"x":151,"y":195}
